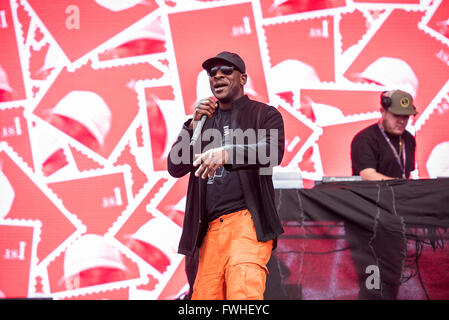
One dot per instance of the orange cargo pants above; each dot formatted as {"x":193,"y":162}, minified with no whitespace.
{"x":232,"y":263}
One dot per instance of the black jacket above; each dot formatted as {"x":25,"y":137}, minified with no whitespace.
{"x":258,"y":188}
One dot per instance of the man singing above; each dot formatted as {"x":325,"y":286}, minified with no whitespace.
{"x":230,"y":209}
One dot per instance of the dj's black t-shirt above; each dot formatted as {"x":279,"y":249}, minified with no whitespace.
{"x":369,"y":149}
{"x":224,"y":192}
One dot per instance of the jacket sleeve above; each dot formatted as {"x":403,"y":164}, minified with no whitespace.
{"x":180,"y":158}
{"x":260,"y":148}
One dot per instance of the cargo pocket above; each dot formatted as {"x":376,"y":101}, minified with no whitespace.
{"x":245,"y":281}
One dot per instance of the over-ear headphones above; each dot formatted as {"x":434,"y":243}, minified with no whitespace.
{"x":385,"y":101}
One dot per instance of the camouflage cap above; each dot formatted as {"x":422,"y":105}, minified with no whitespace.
{"x":401,"y":103}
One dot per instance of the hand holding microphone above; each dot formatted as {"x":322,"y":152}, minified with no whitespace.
{"x":203,"y":110}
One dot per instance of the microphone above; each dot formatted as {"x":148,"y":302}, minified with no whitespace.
{"x":198,"y":128}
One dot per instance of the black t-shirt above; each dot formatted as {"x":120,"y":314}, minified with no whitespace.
{"x":224,"y":192}
{"x":369,"y":149}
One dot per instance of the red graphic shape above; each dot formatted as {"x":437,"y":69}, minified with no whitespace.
{"x":91,"y":113}
{"x":55,"y":162}
{"x":164,"y":121}
{"x":306,"y":163}
{"x":99,"y":276}
{"x":135,"y":233}
{"x":296,"y":135}
{"x":421,"y":79}
{"x":149,"y":39}
{"x":309,"y":41}
{"x":273,"y":8}
{"x":226,"y":28}
{"x":347,"y":102}
{"x":158,"y":127}
{"x":14,"y":131}
{"x":173,"y":203}
{"x":440,"y":19}
{"x":138,"y":177}
{"x":97,"y":23}
{"x":115,"y":294}
{"x":178,"y":280}
{"x":32,"y":204}
{"x":430,"y":136}
{"x":335,"y":153}
{"x":16,"y":243}
{"x":389,"y":1}
{"x":97,"y":201}
{"x":353,"y":26}
{"x":139,"y":215}
{"x":24,"y":19}
{"x":150,"y":285}
{"x":83,"y":162}
{"x":37,"y":62}
{"x":12,"y":86}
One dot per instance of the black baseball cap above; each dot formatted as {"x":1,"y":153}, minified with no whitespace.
{"x":232,"y":58}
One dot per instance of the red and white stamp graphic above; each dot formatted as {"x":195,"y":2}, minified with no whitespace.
{"x":173,"y":203}
{"x":112,"y":294}
{"x":436,"y":20}
{"x":310,"y":59}
{"x":21,"y":187}
{"x":43,"y":61}
{"x":150,"y":235}
{"x":355,"y":28}
{"x":274,"y":8}
{"x":95,"y":116}
{"x":147,"y":39}
{"x":164,"y":118}
{"x":221,"y":28}
{"x":46,"y":59}
{"x":14,"y":131}
{"x":12,"y":83}
{"x":105,"y":195}
{"x":397,"y":2}
{"x":83,"y":26}
{"x":137,"y":170}
{"x":335,"y":157}
{"x":299,"y":132}
{"x":189,"y":4}
{"x":327,"y":107}
{"x":390,"y":61}
{"x":24,"y":19}
{"x":18,"y":243}
{"x":92,"y":263}
{"x":353,"y":25}
{"x":433,"y":143}
{"x":83,"y":161}
{"x":51,"y":153}
{"x":176,"y":286}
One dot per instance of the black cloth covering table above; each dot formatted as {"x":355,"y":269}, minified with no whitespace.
{"x":379,"y":218}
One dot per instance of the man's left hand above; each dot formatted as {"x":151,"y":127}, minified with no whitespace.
{"x":210,"y":161}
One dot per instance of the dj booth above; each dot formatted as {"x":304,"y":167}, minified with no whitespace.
{"x":362,"y":240}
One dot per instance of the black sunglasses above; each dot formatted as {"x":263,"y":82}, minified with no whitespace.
{"x":226,"y":70}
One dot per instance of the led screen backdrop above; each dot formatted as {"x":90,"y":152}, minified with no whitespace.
{"x":94,"y":92}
